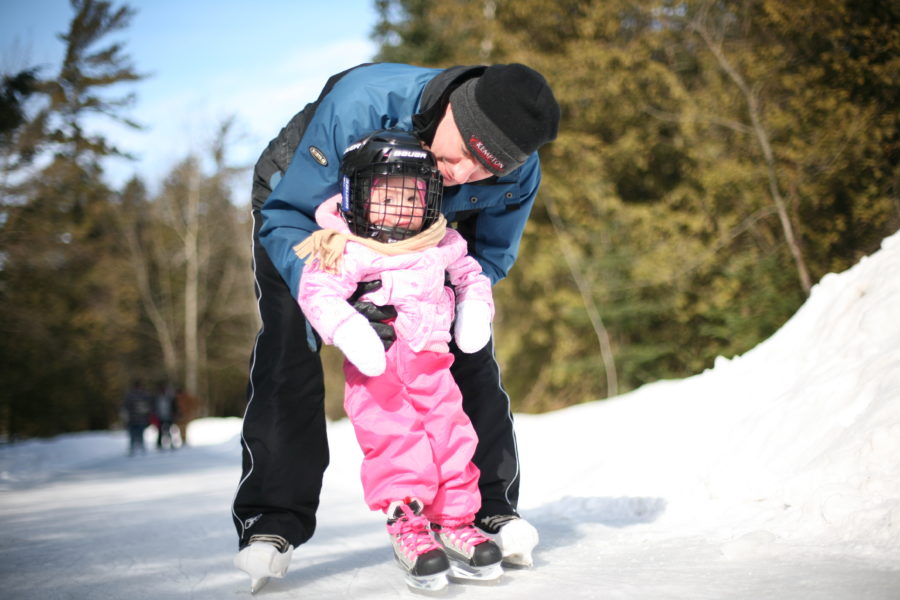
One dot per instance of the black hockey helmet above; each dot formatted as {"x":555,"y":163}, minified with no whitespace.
{"x":391,"y":167}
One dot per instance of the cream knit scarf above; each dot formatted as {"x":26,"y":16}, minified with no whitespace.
{"x":327,"y":245}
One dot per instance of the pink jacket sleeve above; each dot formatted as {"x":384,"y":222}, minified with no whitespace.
{"x":467,"y":278}
{"x":323,"y":298}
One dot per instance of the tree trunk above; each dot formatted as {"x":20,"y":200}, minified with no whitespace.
{"x":140,"y":266}
{"x":762,"y":137}
{"x":191,"y":284}
{"x":590,"y":307}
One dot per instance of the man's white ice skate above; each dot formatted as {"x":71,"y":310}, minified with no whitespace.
{"x":516,"y":537}
{"x":262,"y":558}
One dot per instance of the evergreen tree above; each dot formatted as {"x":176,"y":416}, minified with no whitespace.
{"x":63,"y":310}
{"x":714,"y":159}
{"x":14,"y":92}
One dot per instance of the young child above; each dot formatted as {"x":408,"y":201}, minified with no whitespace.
{"x":405,"y":406}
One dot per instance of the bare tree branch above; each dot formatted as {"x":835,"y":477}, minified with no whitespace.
{"x":587,"y":298}
{"x":141,"y":270}
{"x":754,"y":109}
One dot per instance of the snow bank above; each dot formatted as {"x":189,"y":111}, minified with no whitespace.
{"x":798,"y":438}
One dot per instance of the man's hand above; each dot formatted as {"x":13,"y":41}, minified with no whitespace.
{"x":374,"y":313}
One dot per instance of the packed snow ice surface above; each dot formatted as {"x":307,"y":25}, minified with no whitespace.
{"x":772,"y":475}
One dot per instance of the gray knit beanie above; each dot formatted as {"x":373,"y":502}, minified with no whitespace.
{"x":504,"y":115}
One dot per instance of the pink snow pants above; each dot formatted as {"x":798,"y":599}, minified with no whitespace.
{"x":416,"y":440}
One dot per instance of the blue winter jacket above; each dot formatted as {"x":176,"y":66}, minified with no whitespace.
{"x":490,"y":214}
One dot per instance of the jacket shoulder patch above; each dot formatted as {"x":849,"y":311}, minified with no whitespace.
{"x":318,"y":155}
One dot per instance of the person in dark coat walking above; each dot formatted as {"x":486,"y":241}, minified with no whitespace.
{"x":137,"y":409}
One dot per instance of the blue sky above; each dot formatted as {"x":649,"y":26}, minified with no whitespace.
{"x":260,"y":60}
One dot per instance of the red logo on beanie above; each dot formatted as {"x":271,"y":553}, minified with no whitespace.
{"x":478,"y":146}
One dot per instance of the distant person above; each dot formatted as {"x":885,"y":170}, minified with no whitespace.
{"x":187,"y":408}
{"x":137,"y":408}
{"x":165,"y":411}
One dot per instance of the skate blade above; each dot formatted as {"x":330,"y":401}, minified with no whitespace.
{"x":258,"y":584}
{"x":262,"y":562}
{"x":428,"y":585}
{"x":518,"y":561}
{"x":460,"y":572}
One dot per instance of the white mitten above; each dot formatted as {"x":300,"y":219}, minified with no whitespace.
{"x":361,"y":345}
{"x":473,"y":325}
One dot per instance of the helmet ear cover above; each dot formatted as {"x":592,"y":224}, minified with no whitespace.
{"x":390,"y":164}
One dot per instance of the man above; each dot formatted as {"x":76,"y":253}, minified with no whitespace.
{"x":484,"y":126}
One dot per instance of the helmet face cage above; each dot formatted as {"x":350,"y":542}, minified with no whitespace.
{"x":391,"y":187}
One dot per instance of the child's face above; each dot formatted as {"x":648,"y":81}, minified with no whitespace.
{"x":397,"y":201}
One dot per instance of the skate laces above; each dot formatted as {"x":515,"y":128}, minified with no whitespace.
{"x":493,"y":523}
{"x":411,"y":532}
{"x":279,"y":542}
{"x":464,"y":537}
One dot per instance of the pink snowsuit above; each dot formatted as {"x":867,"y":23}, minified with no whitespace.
{"x":416,"y":439}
